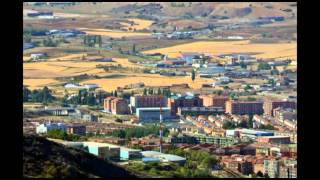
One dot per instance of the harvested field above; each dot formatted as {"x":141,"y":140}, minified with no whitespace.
{"x":39,"y":83}
{"x":265,"y":50}
{"x":110,"y":84}
{"x":114,"y":34}
{"x":69,"y":65}
{"x":138,"y":24}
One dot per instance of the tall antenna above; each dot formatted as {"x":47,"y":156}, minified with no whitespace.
{"x":160,"y":127}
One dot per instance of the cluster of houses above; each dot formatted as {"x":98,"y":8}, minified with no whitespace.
{"x":65,"y":32}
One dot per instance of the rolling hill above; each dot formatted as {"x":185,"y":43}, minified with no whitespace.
{"x":43,"y":159}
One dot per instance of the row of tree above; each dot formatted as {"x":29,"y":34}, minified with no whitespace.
{"x":92,"y":40}
{"x":82,"y":98}
{"x":151,"y":91}
{"x":138,"y":132}
{"x":59,"y":134}
{"x":44,"y":95}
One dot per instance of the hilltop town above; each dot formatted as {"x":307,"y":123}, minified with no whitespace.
{"x":182,"y":89}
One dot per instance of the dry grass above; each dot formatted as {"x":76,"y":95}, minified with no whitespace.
{"x":266,"y":50}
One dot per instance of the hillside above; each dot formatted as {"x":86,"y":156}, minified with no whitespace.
{"x":43,"y":158}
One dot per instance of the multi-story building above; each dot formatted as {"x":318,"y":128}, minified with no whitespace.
{"x":245,"y":167}
{"x":198,"y":139}
{"x":200,"y":110}
{"x":152,"y":114}
{"x":76,"y":129}
{"x":214,"y":100}
{"x":288,"y":169}
{"x":274,"y":139}
{"x":282,"y":114}
{"x":107,"y":103}
{"x":147,"y":101}
{"x":244,"y":107}
{"x":183,"y":101}
{"x":116,"y":105}
{"x":270,"y":105}
{"x":103,"y":150}
{"x":272,"y":168}
{"x":44,"y":128}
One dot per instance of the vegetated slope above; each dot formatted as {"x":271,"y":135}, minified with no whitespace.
{"x":43,"y":158}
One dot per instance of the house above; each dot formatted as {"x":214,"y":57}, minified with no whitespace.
{"x":84,"y":86}
{"x":44,"y":128}
{"x":223,"y":79}
{"x":211,"y":71}
{"x":190,"y":56}
{"x":28,"y":46}
{"x":76,"y":129}
{"x":37,"y":56}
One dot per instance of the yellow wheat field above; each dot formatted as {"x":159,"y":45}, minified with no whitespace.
{"x":113,"y":34}
{"x":69,"y":65}
{"x":138,"y":24}
{"x":110,"y":84}
{"x":265,"y":50}
{"x":69,"y":57}
{"x":39,"y":83}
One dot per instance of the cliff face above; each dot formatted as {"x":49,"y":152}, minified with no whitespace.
{"x":43,"y":158}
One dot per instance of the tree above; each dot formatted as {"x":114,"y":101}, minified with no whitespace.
{"x":91,"y":100}
{"x":250,"y":122}
{"x":272,"y":82}
{"x":159,"y":91}
{"x":27,"y":38}
{"x":259,"y":174}
{"x":193,"y":75}
{"x":243,"y":65}
{"x":243,"y":124}
{"x":264,"y":66}
{"x":219,"y":92}
{"x":144,"y":91}
{"x":228,"y":125}
{"x":233,"y":95}
{"x":247,"y":87}
{"x":26,"y":93}
{"x":251,"y":99}
{"x":134,"y":48}
{"x":100,"y":41}
{"x":115,"y":93}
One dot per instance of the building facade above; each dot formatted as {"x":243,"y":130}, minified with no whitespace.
{"x":200,"y":110}
{"x":76,"y":129}
{"x":272,"y":168}
{"x":152,"y":114}
{"x":213,"y":100}
{"x":244,"y":107}
{"x":274,"y":139}
{"x":116,"y":105}
{"x":44,"y":128}
{"x":147,"y":101}
{"x":270,"y":105}
{"x":183,"y":101}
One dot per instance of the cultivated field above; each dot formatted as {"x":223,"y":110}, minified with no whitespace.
{"x":39,"y":83}
{"x":138,"y":24}
{"x":265,"y":50}
{"x":110,"y":84}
